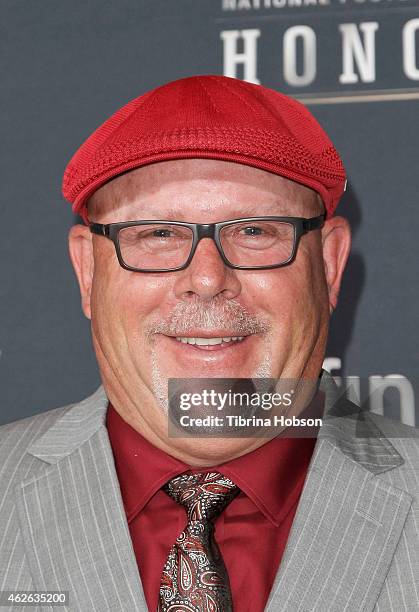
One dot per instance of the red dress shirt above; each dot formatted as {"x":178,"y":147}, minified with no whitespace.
{"x":251,"y":532}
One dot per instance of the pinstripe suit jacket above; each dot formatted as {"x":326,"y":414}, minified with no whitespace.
{"x":353,"y":546}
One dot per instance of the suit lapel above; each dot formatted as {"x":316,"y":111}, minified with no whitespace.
{"x":72,"y":516}
{"x":348,"y":520}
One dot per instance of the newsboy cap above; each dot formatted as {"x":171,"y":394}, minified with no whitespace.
{"x":212,"y":117}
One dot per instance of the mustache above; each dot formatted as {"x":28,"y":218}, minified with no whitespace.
{"x":208,"y":316}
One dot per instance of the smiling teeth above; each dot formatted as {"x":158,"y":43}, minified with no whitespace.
{"x":208,"y":341}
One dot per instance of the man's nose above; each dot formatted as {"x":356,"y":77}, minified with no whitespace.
{"x":207,"y":274}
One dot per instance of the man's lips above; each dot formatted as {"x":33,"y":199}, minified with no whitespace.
{"x":211,"y":347}
{"x":194,"y":350}
{"x":215,"y":333}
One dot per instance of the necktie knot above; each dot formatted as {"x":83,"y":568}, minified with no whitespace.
{"x":204,"y":495}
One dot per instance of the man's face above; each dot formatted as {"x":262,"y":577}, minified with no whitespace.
{"x":282,"y":314}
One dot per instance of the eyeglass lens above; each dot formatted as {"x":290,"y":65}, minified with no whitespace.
{"x":255,"y":243}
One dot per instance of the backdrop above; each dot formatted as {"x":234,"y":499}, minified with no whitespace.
{"x":66,"y":66}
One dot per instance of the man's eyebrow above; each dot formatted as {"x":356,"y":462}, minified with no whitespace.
{"x":258,"y":210}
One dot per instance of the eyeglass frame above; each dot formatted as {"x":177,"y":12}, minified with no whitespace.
{"x":301,"y":226}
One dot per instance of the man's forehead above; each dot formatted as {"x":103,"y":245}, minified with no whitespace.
{"x":215,"y":181}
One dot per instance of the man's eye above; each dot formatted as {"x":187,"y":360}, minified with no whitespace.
{"x":159,"y":232}
{"x":252,"y":230}
{"x":162,"y":233}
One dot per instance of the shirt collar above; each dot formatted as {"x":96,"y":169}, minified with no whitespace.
{"x":271,"y":476}
{"x":142,"y":468}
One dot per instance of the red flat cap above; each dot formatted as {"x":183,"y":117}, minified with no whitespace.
{"x":213,"y":117}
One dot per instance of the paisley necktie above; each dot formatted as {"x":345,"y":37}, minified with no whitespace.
{"x":194,"y":578}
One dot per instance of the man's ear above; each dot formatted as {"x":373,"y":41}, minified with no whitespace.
{"x":336,"y":238}
{"x":81,"y":254}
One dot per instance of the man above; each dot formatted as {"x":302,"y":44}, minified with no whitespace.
{"x":98,"y":498}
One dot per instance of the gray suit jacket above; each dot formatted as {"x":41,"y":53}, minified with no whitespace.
{"x":354,"y":543}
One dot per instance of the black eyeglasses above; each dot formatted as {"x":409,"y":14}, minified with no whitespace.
{"x":252,"y":243}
